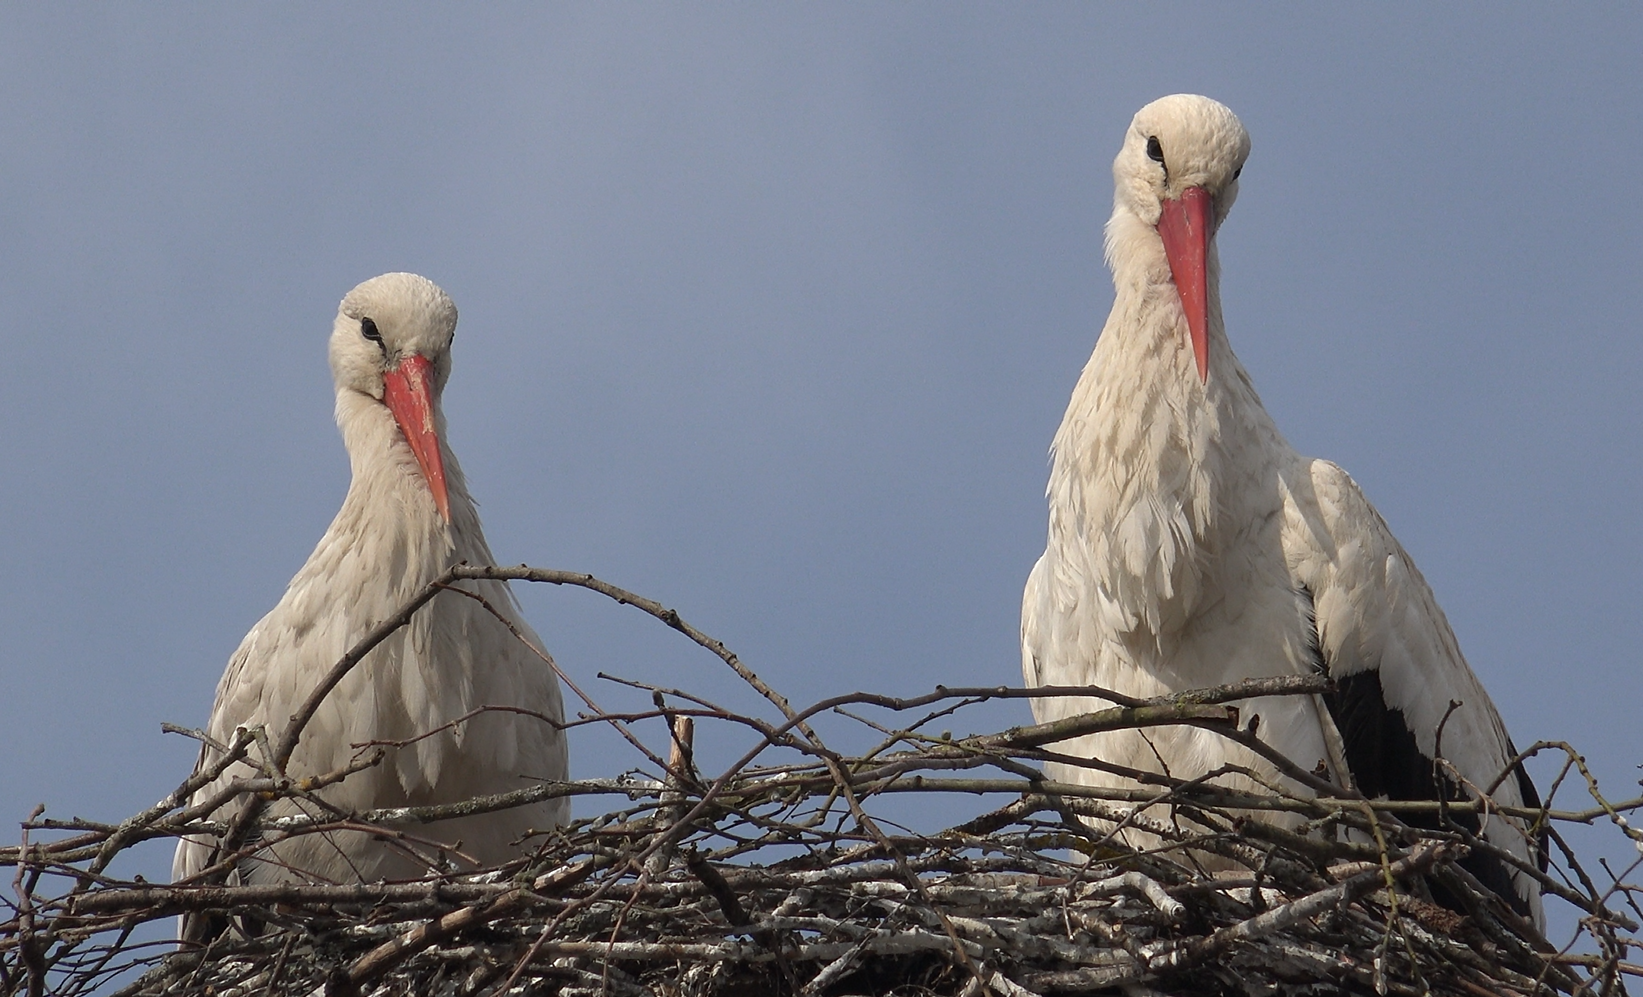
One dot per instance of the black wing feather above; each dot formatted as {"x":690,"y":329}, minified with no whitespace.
{"x":1386,"y":762}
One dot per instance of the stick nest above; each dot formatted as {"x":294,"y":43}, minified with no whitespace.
{"x":779,"y":874}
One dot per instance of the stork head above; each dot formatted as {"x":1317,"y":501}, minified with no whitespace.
{"x":392,"y":342}
{"x":1176,"y":179}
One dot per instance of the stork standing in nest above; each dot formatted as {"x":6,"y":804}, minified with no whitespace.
{"x":1191,"y":546}
{"x":406,"y":519}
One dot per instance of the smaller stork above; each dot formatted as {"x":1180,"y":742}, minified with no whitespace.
{"x":1190,"y":546}
{"x":406,"y":519}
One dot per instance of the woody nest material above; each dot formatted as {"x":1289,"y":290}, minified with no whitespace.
{"x":775,"y":877}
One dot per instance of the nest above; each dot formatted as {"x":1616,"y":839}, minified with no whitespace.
{"x":778,"y":875}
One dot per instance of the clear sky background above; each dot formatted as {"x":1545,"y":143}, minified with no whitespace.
{"x":770,"y":313}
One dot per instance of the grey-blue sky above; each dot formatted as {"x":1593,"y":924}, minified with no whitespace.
{"x":770,"y":312}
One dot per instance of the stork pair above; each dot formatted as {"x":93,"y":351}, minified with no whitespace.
{"x":1189,"y":546}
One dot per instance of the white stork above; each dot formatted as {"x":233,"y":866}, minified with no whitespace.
{"x":1191,"y":546}
{"x":406,"y":519}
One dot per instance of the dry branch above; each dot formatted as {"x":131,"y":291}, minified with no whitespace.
{"x":777,"y":874}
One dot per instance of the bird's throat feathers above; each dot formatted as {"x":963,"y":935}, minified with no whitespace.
{"x":1151,"y":467}
{"x":389,"y":501}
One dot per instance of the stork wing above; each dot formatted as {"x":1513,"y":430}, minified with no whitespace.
{"x":1376,"y":614}
{"x":238,"y":692}
{"x":1398,"y":669}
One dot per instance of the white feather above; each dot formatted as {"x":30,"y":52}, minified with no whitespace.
{"x":387,"y":542}
{"x":1183,"y":528}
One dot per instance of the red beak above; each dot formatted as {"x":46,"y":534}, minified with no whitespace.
{"x":408,"y":390}
{"x":1184,"y":228}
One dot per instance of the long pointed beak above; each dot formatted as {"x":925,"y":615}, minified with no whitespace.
{"x":408,"y":390}
{"x":1184,"y":228}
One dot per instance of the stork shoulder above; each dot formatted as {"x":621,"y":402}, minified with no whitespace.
{"x":1374,"y":611}
{"x":241,"y":690}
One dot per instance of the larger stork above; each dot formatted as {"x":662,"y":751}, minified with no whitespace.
{"x":407,"y":518}
{"x":1191,"y":546}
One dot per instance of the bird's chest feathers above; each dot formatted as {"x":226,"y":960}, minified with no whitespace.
{"x":366,"y":568}
{"x":1154,"y":498}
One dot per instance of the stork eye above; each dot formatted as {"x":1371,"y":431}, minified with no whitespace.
{"x":368,"y":329}
{"x":1236,"y":172}
{"x":1155,"y":152}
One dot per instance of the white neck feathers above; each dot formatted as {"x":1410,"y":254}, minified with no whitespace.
{"x":389,"y":518}
{"x":1151,"y":466}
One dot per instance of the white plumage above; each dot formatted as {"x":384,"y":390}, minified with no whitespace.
{"x":1190,"y":546}
{"x":406,"y":519}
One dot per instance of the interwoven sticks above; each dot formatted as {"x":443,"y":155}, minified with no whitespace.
{"x":776,"y":875}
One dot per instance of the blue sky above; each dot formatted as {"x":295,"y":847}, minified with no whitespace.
{"x":770,"y":313}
